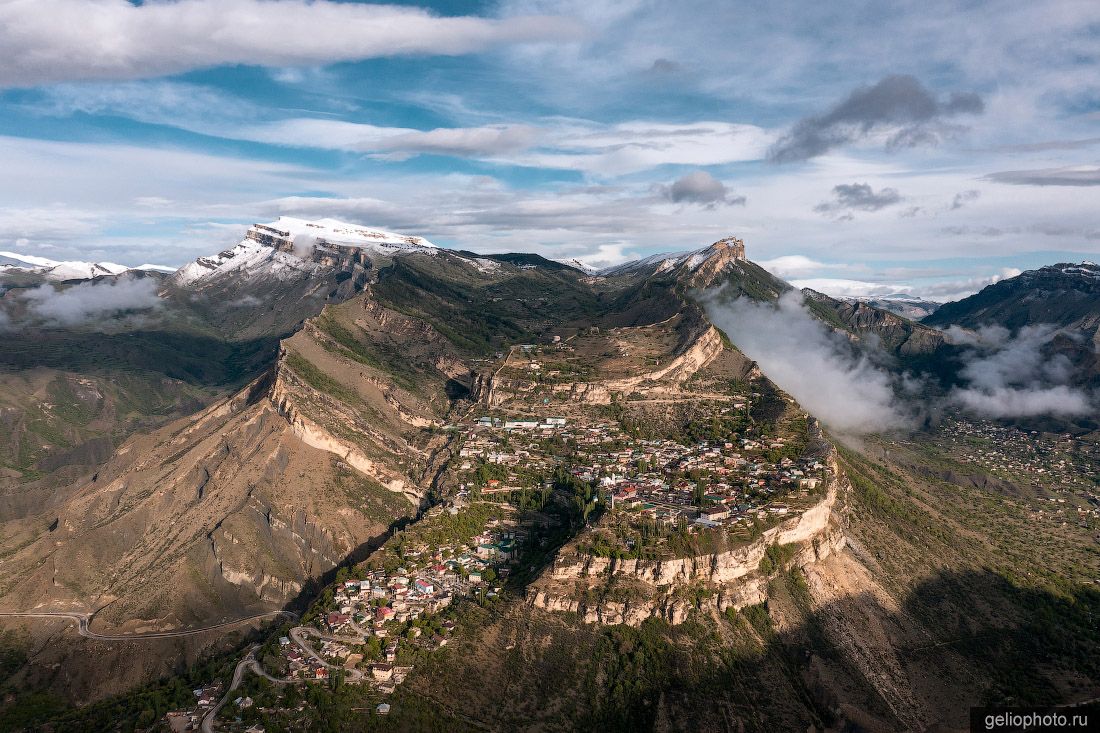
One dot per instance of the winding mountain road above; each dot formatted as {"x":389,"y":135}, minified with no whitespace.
{"x":84,"y":619}
{"x":238,"y":674}
{"x":297,"y":634}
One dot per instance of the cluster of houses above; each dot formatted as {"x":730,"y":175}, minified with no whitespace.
{"x":737,"y":481}
{"x":206,"y":697}
{"x":1062,"y":464}
{"x":706,"y":483}
{"x":1052,"y":461}
{"x":386,"y":605}
{"x":303,"y":666}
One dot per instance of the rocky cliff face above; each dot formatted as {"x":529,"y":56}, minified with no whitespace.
{"x":229,"y":511}
{"x":733,"y":576}
{"x":282,"y":398}
{"x":224,"y":514}
{"x":495,"y":390}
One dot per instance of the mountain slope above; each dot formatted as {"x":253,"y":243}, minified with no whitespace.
{"x":1064,"y":298}
{"x":895,"y":333}
{"x":891,"y":598}
{"x":1066,"y":295}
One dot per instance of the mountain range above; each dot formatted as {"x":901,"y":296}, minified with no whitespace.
{"x":181,"y":449}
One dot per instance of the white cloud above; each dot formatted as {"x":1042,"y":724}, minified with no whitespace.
{"x":59,"y":40}
{"x":92,"y":301}
{"x":816,"y":366}
{"x":1009,"y":375}
{"x":958,"y":289}
{"x":606,"y":255}
{"x":630,"y":147}
{"x":843,"y":288}
{"x":787,"y":266}
{"x":21,"y":226}
{"x":393,"y":143}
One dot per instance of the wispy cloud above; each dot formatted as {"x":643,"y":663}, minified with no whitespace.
{"x":1080,"y":175}
{"x":66,"y":40}
{"x":819,"y":368}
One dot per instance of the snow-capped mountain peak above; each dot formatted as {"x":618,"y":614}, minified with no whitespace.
{"x":68,"y":269}
{"x":290,"y":247}
{"x":722,"y":253}
{"x":289,"y":232}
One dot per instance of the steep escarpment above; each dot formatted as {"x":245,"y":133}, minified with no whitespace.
{"x":234,"y":509}
{"x":219,"y":516}
{"x":629,"y":590}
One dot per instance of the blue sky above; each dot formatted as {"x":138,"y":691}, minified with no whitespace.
{"x":859,"y":147}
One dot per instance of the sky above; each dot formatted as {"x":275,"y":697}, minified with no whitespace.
{"x":860,"y":148}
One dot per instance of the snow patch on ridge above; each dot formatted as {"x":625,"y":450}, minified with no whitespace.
{"x":283,"y":249}
{"x":69,"y":269}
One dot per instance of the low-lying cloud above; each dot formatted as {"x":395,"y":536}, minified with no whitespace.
{"x":898,"y":105}
{"x":1009,"y":375}
{"x":91,"y":301}
{"x":821,"y":369}
{"x":852,"y":390}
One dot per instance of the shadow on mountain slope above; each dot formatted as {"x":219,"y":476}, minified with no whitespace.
{"x":960,"y":639}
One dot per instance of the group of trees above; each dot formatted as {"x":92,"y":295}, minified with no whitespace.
{"x":136,"y":710}
{"x":584,"y":501}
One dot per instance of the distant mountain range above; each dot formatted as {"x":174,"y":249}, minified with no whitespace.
{"x":12,"y":263}
{"x":1066,"y":295}
{"x":912,"y":307}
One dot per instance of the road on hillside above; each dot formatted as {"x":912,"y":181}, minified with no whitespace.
{"x":296,"y":635}
{"x":83,"y":619}
{"x":238,"y":673}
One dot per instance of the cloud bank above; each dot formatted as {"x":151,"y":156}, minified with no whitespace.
{"x":91,"y":301}
{"x":1008,"y":375}
{"x":846,"y":390}
{"x":899,"y":105}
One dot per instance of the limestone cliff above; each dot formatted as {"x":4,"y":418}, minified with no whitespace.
{"x":732,"y":578}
